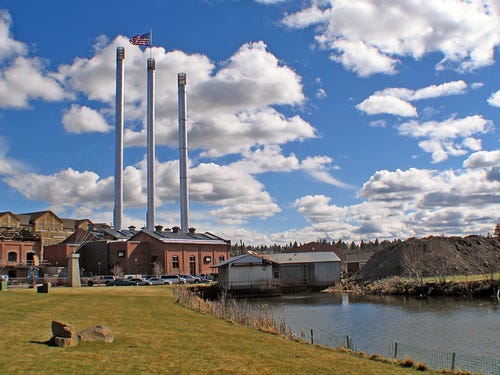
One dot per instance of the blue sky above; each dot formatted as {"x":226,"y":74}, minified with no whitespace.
{"x":307,"y":119}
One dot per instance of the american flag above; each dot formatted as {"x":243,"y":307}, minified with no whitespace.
{"x":141,"y":40}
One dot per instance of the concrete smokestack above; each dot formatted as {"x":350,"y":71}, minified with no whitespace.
{"x":183,"y":152}
{"x":118,"y":209}
{"x":150,"y":217}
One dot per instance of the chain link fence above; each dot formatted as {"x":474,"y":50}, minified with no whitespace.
{"x":440,"y":360}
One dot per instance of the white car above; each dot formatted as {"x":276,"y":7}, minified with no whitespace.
{"x":158,"y":281}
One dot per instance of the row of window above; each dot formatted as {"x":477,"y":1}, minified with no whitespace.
{"x":192,"y":260}
{"x":12,"y":256}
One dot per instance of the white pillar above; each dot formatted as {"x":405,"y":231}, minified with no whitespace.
{"x":118,"y":209}
{"x":150,"y":216}
{"x":73,"y":272}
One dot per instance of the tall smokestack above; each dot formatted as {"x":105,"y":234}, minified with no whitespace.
{"x":118,"y":209}
{"x":183,"y":152}
{"x":150,"y":219}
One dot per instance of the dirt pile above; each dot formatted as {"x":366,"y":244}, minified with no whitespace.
{"x":434,"y":256}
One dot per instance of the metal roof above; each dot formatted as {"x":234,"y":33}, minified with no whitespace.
{"x":241,"y":259}
{"x":311,"y":257}
{"x":181,"y":237}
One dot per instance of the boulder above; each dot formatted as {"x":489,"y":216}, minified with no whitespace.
{"x":63,"y":334}
{"x":96,"y":333}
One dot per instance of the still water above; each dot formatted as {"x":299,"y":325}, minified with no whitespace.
{"x":375,"y":322}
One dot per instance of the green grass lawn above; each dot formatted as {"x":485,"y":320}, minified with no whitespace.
{"x":153,"y":335}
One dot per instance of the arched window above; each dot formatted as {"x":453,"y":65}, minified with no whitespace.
{"x":30,"y":258}
{"x":12,"y":257}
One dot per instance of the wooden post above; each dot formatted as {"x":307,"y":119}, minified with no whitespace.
{"x":453,"y":362}
{"x":312,"y":337}
{"x":347,"y":342}
{"x":395,"y":350}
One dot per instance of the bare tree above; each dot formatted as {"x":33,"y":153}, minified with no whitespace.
{"x":413,"y":264}
{"x":117,"y":270}
{"x":439,"y":264}
{"x":157,"y":269}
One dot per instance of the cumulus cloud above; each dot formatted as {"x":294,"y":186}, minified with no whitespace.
{"x":66,"y":188}
{"x":494,"y":99}
{"x":25,"y":80}
{"x":405,"y":203}
{"x":22,"y":78}
{"x":395,"y":100}
{"x":369,"y":37}
{"x":442,"y":139}
{"x":8,"y":46}
{"x":377,"y":104}
{"x":232,"y":106}
{"x":82,"y":119}
{"x":483,"y":159}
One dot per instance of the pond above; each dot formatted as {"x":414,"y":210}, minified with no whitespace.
{"x":375,"y":323}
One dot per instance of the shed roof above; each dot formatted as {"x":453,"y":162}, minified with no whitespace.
{"x":244,"y":259}
{"x":311,"y":257}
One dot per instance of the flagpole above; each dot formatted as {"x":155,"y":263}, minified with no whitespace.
{"x":150,"y":41}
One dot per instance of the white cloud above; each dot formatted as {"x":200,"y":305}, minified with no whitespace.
{"x":377,"y":104}
{"x":405,"y":203}
{"x":494,"y":99}
{"x":441,"y":138}
{"x":483,"y":159}
{"x":368,"y":36}
{"x":25,"y":80}
{"x":233,"y":105}
{"x":82,"y":119}
{"x":395,"y":100}
{"x":8,"y":46}
{"x":65,"y":188}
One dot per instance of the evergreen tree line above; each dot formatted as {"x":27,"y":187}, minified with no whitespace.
{"x":370,"y":246}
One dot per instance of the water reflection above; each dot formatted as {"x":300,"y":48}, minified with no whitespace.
{"x":375,"y":322}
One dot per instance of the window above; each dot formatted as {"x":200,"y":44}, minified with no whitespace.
{"x":207,"y":259}
{"x":192,"y":265}
{"x":12,"y":257}
{"x":221,"y":258}
{"x":121,"y":254}
{"x":175,"y":261}
{"x":276,"y":274}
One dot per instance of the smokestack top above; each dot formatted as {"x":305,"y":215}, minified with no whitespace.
{"x":151,"y":64}
{"x":120,"y":53}
{"x":175,"y":229}
{"x":159,"y":228}
{"x":181,"y":79}
{"x":192,"y":230}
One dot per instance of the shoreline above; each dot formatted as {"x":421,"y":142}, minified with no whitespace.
{"x":397,"y":286}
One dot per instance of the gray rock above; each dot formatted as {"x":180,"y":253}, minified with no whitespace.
{"x":96,"y":333}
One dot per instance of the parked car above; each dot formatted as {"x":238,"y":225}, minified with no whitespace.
{"x":203,"y":279}
{"x":158,"y":281}
{"x":190,"y":279}
{"x":173,"y":279}
{"x":138,"y":281}
{"x":122,"y":282}
{"x":101,"y":280}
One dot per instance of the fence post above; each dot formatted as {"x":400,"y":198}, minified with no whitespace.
{"x":312,"y":337}
{"x":347,"y":342}
{"x":453,"y":362}
{"x":395,"y":350}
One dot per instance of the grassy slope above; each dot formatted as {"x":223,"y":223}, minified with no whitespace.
{"x":153,"y":335}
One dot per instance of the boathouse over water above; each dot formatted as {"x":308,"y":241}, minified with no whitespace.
{"x":279,"y":273}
